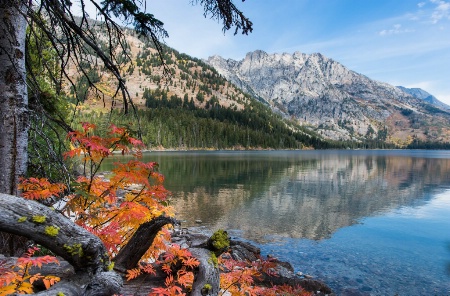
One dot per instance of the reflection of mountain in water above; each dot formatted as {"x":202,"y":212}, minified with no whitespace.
{"x":296,"y":194}
{"x":309,"y":198}
{"x":315,"y":203}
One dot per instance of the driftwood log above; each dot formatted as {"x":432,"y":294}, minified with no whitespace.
{"x":83,"y":250}
{"x":87,"y":269}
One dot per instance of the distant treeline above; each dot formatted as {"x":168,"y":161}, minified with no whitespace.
{"x":428,"y":145}
{"x":177,"y":123}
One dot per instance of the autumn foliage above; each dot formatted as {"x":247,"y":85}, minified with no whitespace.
{"x":16,"y":278}
{"x":113,"y":208}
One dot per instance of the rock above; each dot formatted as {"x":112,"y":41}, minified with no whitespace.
{"x":246,"y":252}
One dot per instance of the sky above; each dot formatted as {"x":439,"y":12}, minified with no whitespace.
{"x":401,"y":42}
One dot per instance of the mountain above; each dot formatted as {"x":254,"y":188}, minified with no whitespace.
{"x":185,"y":104}
{"x":427,"y":97}
{"x":333,"y":101}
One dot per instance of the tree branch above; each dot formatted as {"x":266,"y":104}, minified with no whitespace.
{"x":130,"y":255}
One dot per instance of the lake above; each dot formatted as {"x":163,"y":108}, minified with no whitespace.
{"x":365,"y":222}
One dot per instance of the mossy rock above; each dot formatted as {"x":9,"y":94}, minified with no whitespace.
{"x":219,"y":241}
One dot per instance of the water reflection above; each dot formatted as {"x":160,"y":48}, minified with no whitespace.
{"x":400,"y":198}
{"x":296,"y":194}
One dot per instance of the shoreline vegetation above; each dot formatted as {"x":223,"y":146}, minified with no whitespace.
{"x":246,"y":252}
{"x":197,"y":242}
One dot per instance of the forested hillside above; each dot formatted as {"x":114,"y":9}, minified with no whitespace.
{"x":186,"y":104}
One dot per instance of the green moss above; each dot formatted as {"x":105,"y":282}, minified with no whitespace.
{"x":51,"y":230}
{"x":74,"y":250}
{"x":213,"y":260}
{"x":206,"y":290}
{"x":111,"y":266}
{"x":22,"y":219}
{"x":220,"y":240}
{"x":60,"y":294}
{"x":39,"y":219}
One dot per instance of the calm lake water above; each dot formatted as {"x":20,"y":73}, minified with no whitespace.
{"x":365,"y":222}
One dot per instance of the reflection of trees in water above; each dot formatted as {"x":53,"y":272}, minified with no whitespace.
{"x":310,"y":198}
{"x":308,"y":195}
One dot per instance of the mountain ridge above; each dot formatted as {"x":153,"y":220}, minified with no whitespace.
{"x":334,"y":101}
{"x":314,"y":98}
{"x":426,"y":96}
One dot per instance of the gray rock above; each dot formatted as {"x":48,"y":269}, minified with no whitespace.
{"x":319,"y":92}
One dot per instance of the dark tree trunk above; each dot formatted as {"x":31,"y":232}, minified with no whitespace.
{"x":130,"y":255}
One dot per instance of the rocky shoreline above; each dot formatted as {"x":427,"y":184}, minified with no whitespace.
{"x":197,"y":242}
{"x":242,"y":251}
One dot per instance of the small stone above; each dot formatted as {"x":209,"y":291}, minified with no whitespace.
{"x":198,"y":221}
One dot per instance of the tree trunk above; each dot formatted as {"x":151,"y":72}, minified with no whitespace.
{"x":13,"y":96}
{"x":208,"y":274}
{"x":13,"y":107}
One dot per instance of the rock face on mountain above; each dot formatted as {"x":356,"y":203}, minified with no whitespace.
{"x":426,"y":96}
{"x":334,"y":101}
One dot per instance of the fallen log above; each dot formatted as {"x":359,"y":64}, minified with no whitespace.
{"x":83,"y":250}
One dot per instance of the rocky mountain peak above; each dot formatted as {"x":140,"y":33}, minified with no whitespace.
{"x":335,"y":101}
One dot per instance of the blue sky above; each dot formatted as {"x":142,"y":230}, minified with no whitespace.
{"x":401,"y":42}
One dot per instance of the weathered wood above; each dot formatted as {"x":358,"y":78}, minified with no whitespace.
{"x":83,"y":250}
{"x":130,"y":255}
{"x":88,"y":256}
{"x":208,"y":274}
{"x":76,"y":245}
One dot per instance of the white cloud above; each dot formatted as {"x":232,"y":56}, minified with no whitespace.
{"x":426,"y":85}
{"x":441,"y":11}
{"x":396,"y":29}
{"x":421,"y":4}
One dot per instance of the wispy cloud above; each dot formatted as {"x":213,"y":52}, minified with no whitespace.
{"x":421,"y":4}
{"x":396,"y":29}
{"x":441,"y":11}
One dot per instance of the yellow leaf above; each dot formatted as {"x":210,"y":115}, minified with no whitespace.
{"x":7,"y":290}
{"x":26,"y":287}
